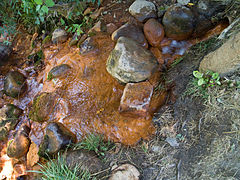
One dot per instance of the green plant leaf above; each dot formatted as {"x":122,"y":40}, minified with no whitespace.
{"x":44,"y":9}
{"x":62,"y":21}
{"x":197,"y":74}
{"x":201,"y":82}
{"x":38,"y":7}
{"x":215,"y":75}
{"x":49,"y":3}
{"x":38,"y":2}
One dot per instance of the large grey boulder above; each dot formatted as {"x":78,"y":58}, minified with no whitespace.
{"x":143,"y":10}
{"x":224,"y":60}
{"x":130,"y":62}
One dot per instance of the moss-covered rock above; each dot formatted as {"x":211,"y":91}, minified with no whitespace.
{"x":15,"y":84}
{"x":43,"y":105}
{"x":59,"y":71}
{"x":18,"y":147}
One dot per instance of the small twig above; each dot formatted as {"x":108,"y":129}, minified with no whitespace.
{"x":225,"y":31}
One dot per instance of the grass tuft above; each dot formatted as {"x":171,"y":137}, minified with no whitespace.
{"x":59,"y":170}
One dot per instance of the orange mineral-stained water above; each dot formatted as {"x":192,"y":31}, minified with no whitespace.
{"x":88,"y":97}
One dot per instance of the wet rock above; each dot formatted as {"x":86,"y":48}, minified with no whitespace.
{"x":74,"y":39}
{"x":111,"y":28}
{"x":202,"y":25}
{"x":225,"y":59}
{"x":15,"y":84}
{"x":130,"y":31}
{"x":9,"y":115}
{"x":57,"y":137}
{"x":143,"y":10}
{"x":59,"y":36}
{"x":125,"y":171}
{"x":5,"y":52}
{"x":32,"y":155}
{"x":43,"y":106}
{"x":129,"y":62}
{"x":87,"y":46}
{"x":178,"y":22}
{"x":87,"y":159}
{"x":136,"y":99}
{"x":154,"y":32}
{"x":18,"y":147}
{"x":59,"y":71}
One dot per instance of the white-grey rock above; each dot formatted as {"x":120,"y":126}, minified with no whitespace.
{"x":125,"y":172}
{"x":172,"y":141}
{"x":59,"y":36}
{"x":183,"y":2}
{"x":143,"y":10}
{"x":130,"y":62}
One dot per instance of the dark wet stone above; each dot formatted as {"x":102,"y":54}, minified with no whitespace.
{"x":57,"y":137}
{"x":15,"y":84}
{"x":154,"y":32}
{"x":23,"y":177}
{"x":178,"y":22}
{"x":59,"y":36}
{"x":143,"y":10}
{"x":130,"y":31}
{"x":18,"y":147}
{"x":59,"y":71}
{"x":43,"y":106}
{"x":130,"y":62}
{"x":9,"y":115}
{"x":87,"y":46}
{"x":87,"y":159}
{"x":5,"y":52}
{"x":202,"y":25}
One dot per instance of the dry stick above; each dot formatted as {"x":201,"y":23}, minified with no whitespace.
{"x":225,"y":31}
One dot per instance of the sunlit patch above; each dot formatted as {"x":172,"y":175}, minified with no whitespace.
{"x":7,"y":167}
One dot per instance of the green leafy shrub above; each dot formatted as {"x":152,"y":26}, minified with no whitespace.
{"x":208,"y":79}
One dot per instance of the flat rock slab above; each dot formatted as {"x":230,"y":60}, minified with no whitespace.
{"x":224,"y":60}
{"x":130,"y":62}
{"x":136,"y":99}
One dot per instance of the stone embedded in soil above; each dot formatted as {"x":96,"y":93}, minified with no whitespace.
{"x":9,"y":115}
{"x":87,"y":46}
{"x":57,"y":137}
{"x":5,"y":52}
{"x":136,"y":99}
{"x":59,"y":71}
{"x":178,"y":22}
{"x":32,"y":155}
{"x":131,"y":31}
{"x":59,"y":36}
{"x":100,"y":26}
{"x":224,"y":60}
{"x":18,"y":147}
{"x":210,"y":8}
{"x":125,"y":172}
{"x":154,"y":32}
{"x":129,"y":62}
{"x":15,"y":84}
{"x":143,"y":10}
{"x":111,"y":28}
{"x":87,"y":159}
{"x":42,"y":107}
